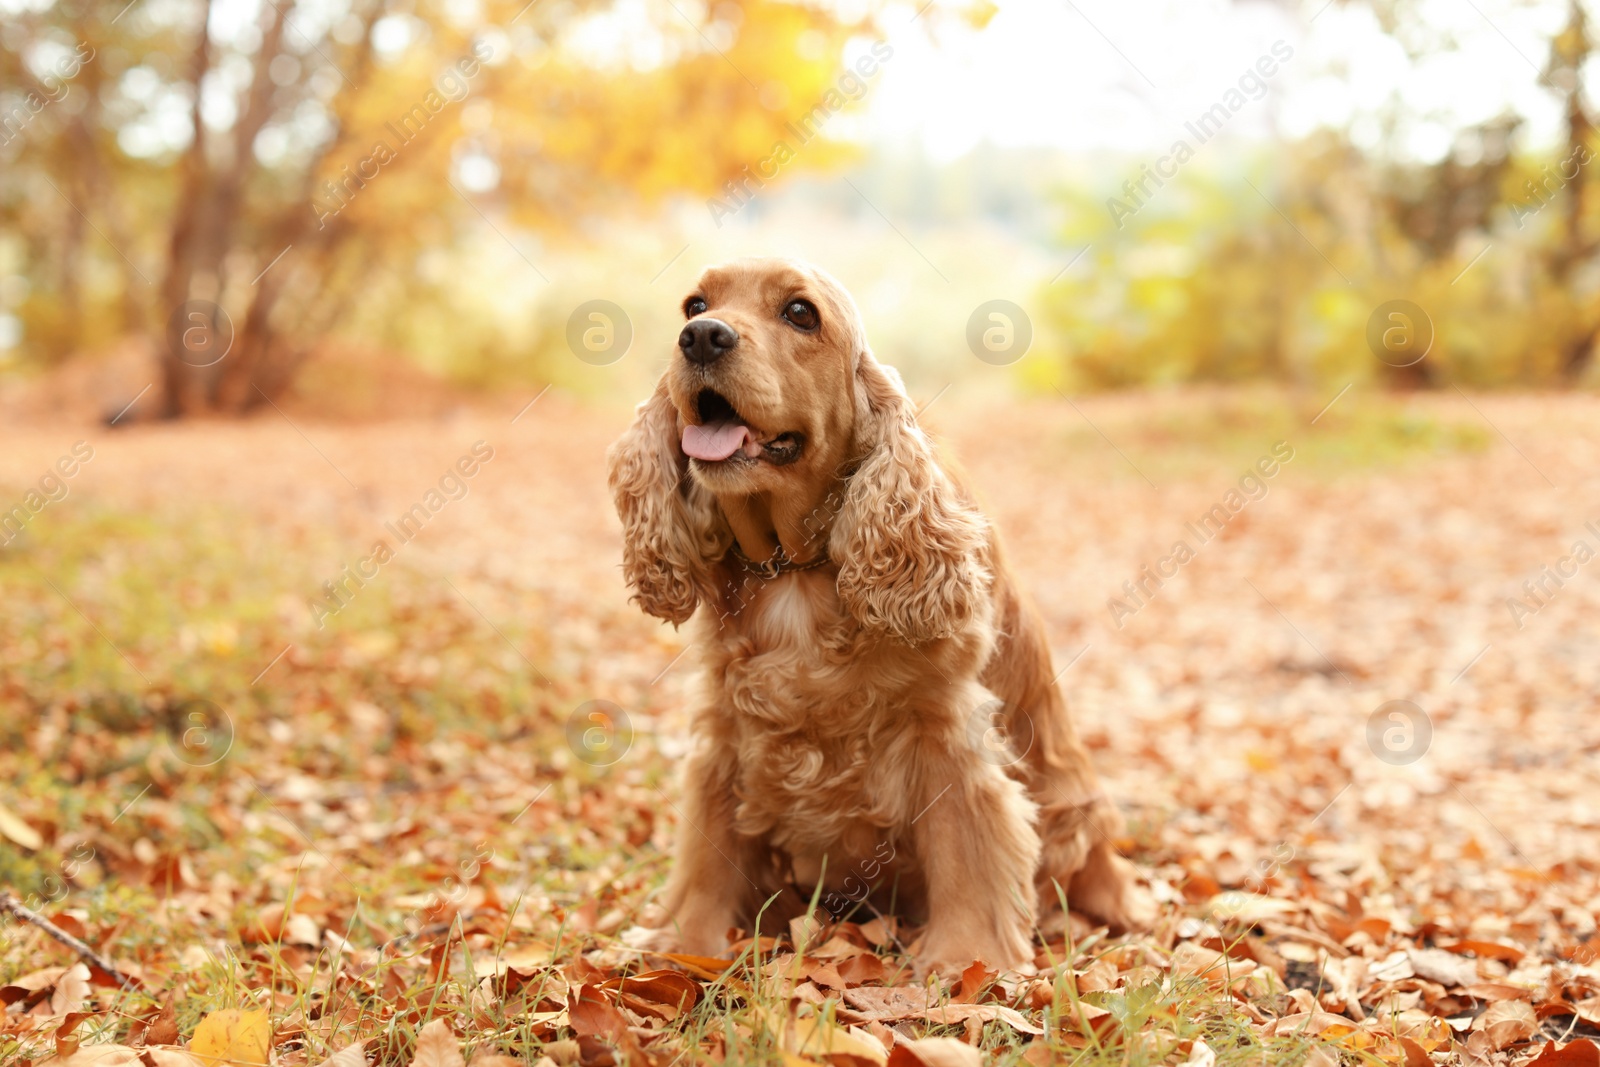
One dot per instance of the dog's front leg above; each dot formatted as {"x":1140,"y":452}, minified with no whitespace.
{"x":712,"y":884}
{"x":977,"y":848}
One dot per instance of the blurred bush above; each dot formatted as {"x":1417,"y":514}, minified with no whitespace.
{"x":247,"y":177}
{"x":1274,"y":270}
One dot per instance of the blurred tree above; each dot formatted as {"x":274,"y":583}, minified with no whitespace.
{"x":1270,"y":264}
{"x":233,"y":178}
{"x":1435,"y":205}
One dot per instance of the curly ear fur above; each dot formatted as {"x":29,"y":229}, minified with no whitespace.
{"x":913,"y":556}
{"x":670,"y":526}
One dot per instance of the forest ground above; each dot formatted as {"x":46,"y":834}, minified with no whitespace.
{"x":249,"y":804}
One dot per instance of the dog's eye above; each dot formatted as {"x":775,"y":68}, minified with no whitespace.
{"x":695,"y":305}
{"x":802,"y":315}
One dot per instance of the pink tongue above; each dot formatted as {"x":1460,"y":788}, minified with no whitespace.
{"x":714,"y":441}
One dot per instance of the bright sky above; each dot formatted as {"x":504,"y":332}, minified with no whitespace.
{"x":1126,"y":74}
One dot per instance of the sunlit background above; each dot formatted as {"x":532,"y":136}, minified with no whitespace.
{"x":276,"y":274}
{"x":273,"y":167}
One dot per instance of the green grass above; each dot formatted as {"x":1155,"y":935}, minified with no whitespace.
{"x":364,"y":787}
{"x":1226,"y":431}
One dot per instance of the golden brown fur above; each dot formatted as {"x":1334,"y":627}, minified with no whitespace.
{"x":847,"y":731}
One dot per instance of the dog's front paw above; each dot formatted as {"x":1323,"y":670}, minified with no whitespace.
{"x":693,"y":937}
{"x":1107,"y":888}
{"x":948,"y":968}
{"x":647,"y":939}
{"x":948,"y":956}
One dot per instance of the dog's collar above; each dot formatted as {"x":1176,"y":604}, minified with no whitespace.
{"x":780,"y":563}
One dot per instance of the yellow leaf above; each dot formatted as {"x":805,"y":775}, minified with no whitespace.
{"x":814,"y":1037}
{"x":1260,"y":761}
{"x":12,"y":826}
{"x":978,"y":13}
{"x":233,"y":1037}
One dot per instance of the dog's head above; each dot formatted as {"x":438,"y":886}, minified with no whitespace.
{"x":762,"y":374}
{"x":771,"y":392}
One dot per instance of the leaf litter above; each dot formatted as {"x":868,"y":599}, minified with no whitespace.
{"x":380,"y":876}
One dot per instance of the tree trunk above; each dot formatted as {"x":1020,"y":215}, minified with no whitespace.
{"x":259,"y":361}
{"x":1569,"y":54}
{"x":178,"y":393}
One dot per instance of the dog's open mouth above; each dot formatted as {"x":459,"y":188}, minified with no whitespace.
{"x":723,"y":435}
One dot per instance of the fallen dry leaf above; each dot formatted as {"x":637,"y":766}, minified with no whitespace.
{"x":171,"y":1057}
{"x":527,"y":958}
{"x":1580,"y":1053}
{"x":163,"y":1029}
{"x":1507,"y":1022}
{"x":1477,"y":1050}
{"x":1367,"y":890}
{"x":1309,"y":1023}
{"x":1190,"y":958}
{"x":1320,"y":1057}
{"x":897,"y":1004}
{"x":863,"y":969}
{"x":12,"y":826}
{"x":815,"y":1038}
{"x":934,"y":1052}
{"x":350,"y":1056}
{"x":1492,"y":991}
{"x":1416,"y":1055}
{"x":974,"y":981}
{"x":66,"y":1043}
{"x":663,"y":987}
{"x":232,"y":1036}
{"x":96,"y":1056}
{"x":437,"y":1047}
{"x":1099,"y":976}
{"x":72,"y":989}
{"x":594,"y":1015}
{"x":707,"y":967}
{"x":1488,"y":950}
{"x":1201,"y":1054}
{"x":1446,"y":968}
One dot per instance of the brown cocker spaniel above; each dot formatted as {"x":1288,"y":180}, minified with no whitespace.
{"x":878,"y":720}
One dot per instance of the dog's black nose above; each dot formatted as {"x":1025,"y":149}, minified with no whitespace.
{"x":707,"y":340}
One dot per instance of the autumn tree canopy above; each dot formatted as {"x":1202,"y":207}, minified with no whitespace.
{"x":233,"y":180}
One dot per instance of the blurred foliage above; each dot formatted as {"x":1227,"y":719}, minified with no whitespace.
{"x":173,"y":150}
{"x":404,"y":176}
{"x":1274,"y":271}
{"x":1275,"y":268}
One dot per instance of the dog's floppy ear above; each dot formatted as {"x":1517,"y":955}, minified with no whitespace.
{"x":913,"y":556}
{"x":670,"y":526}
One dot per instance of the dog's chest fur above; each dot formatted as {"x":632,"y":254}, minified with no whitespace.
{"x":811,"y":716}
